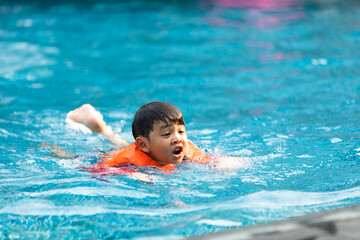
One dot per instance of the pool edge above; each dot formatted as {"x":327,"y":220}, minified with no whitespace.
{"x":341,"y":223}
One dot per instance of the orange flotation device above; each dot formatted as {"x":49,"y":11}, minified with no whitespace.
{"x":133,"y":155}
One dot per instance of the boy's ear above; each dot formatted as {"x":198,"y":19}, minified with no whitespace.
{"x":142,"y":144}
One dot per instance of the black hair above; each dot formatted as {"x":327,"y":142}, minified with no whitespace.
{"x":152,"y":112}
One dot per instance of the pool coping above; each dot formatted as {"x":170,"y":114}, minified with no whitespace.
{"x":341,"y":223}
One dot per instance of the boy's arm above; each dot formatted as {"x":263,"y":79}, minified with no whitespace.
{"x":92,"y":119}
{"x":57,"y":151}
{"x":114,"y":138}
{"x":224,"y":163}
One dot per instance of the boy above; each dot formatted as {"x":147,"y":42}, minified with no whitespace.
{"x":160,"y":138}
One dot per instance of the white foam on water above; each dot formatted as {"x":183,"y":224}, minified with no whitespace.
{"x":319,"y":61}
{"x":219,"y":222}
{"x":194,"y":193}
{"x":6,"y":134}
{"x":335,"y":140}
{"x":70,"y":163}
{"x":232,"y":132}
{"x":305,"y":156}
{"x":326,"y":129}
{"x":120,"y":115}
{"x":243,"y":152}
{"x":282,"y":136}
{"x":203,"y":132}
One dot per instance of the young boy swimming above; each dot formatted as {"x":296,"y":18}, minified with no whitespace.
{"x":160,"y":138}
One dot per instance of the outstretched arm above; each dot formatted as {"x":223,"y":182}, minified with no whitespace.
{"x":88,"y":116}
{"x":225,"y":163}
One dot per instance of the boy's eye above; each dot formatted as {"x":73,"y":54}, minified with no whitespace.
{"x":166,"y":134}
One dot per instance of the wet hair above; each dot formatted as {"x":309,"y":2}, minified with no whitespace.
{"x":152,"y":112}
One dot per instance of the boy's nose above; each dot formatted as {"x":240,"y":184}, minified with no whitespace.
{"x":177,"y":138}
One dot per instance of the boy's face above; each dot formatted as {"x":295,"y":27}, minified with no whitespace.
{"x":168,"y":143}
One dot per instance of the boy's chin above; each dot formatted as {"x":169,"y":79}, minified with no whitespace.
{"x":176,"y":161}
{"x":170,"y":161}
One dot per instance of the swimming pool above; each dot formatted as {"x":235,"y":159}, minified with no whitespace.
{"x":275,"y":81}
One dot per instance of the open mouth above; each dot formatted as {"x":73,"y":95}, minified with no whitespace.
{"x":177,"y":151}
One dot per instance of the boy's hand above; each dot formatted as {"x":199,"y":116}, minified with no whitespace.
{"x":229,"y":163}
{"x":88,"y":116}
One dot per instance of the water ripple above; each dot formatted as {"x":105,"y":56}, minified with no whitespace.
{"x":93,"y":191}
{"x":40,"y":207}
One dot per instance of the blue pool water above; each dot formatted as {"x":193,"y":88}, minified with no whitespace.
{"x":275,"y":81}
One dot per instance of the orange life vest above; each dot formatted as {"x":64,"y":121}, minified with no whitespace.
{"x":133,"y":155}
